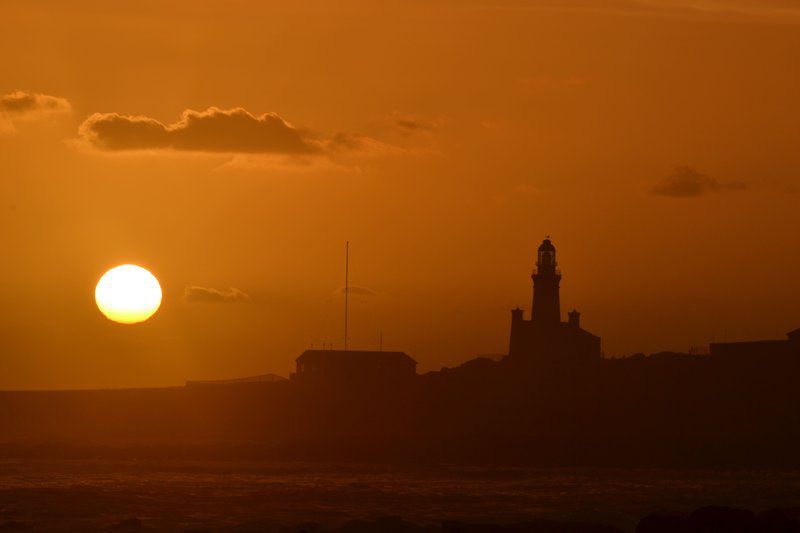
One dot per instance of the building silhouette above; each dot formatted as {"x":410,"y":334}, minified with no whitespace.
{"x":545,"y":340}
{"x":759,"y":349}
{"x":353,"y":365}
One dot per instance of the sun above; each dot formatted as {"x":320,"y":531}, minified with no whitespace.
{"x":128,"y":294}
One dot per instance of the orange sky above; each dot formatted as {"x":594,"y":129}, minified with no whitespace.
{"x":241,"y":146}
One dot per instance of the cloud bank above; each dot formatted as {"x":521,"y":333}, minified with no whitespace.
{"x":195,"y":294}
{"x":213,"y":130}
{"x":254,"y":141}
{"x":686,"y":182}
{"x":265,"y":141}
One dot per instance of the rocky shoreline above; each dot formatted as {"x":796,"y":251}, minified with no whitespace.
{"x":709,"y":519}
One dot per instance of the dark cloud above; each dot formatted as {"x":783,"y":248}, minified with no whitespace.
{"x":686,"y":182}
{"x":233,"y":131}
{"x":27,"y":103}
{"x":354,"y":290}
{"x":24,"y":105}
{"x":409,"y":124}
{"x":212,"y":130}
{"x":195,"y":294}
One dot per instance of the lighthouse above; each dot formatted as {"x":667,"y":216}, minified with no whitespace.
{"x":546,"y":308}
{"x":544,"y":340}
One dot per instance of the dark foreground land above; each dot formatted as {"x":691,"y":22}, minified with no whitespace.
{"x":667,"y":410}
{"x":595,"y":448}
{"x":150,"y":495}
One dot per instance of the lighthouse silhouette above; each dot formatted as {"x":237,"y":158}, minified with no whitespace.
{"x":546,"y":308}
{"x":545,"y":340}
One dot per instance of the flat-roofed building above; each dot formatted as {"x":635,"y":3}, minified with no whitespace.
{"x":766,"y":348}
{"x":354,"y":365}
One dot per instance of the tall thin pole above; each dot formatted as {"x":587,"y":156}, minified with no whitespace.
{"x":346,"y":287}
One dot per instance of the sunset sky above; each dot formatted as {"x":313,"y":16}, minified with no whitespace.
{"x":233,"y":147}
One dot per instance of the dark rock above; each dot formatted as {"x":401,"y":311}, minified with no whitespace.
{"x":719,"y":519}
{"x":535,"y":526}
{"x":779,"y":521}
{"x":13,"y":525}
{"x":661,"y":523}
{"x":127,"y":524}
{"x":308,"y":528}
{"x":389,"y":524}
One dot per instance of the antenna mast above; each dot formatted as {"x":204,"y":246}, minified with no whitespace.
{"x":346,"y":287}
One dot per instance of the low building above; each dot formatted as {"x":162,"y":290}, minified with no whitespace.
{"x":767,"y":348}
{"x":353,"y":365}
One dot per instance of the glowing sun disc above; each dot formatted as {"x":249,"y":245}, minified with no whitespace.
{"x":128,"y":294}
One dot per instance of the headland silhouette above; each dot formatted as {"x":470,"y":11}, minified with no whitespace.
{"x":553,"y":400}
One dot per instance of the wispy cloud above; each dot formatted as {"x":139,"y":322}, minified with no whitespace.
{"x":779,"y":11}
{"x":355,"y":290}
{"x":686,"y":182}
{"x":411,"y":123}
{"x":28,"y":106}
{"x":527,"y":189}
{"x":195,"y":294}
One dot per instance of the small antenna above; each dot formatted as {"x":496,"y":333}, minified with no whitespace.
{"x":346,"y":287}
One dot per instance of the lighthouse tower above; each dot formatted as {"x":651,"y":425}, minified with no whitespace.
{"x":546,"y":308}
{"x":545,"y":341}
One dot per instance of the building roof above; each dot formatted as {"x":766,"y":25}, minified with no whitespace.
{"x":547,"y":246}
{"x":354,"y":356}
{"x":747,"y":344}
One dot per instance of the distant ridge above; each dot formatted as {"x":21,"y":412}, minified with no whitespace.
{"x":262,"y":378}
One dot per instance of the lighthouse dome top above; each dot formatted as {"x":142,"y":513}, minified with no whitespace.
{"x":547,"y":246}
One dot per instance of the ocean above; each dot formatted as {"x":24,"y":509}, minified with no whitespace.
{"x":85,"y":495}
